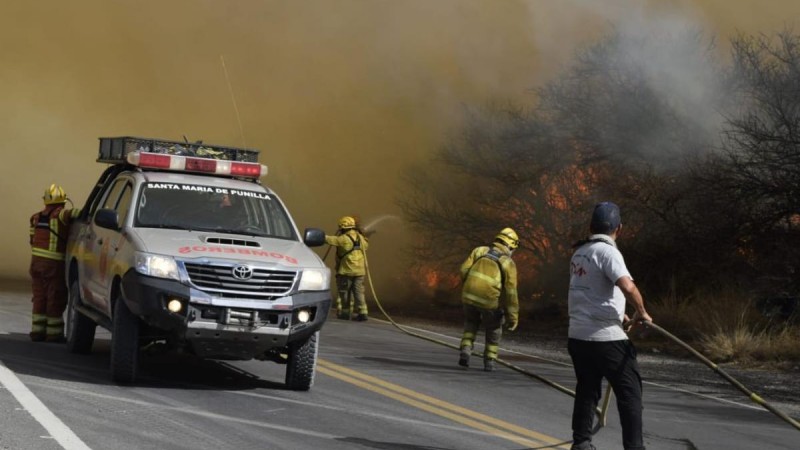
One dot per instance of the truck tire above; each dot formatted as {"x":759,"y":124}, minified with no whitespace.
{"x":124,"y":343}
{"x":302,"y":363}
{"x":80,"y":329}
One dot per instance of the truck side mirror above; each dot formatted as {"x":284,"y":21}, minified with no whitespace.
{"x":314,"y":237}
{"x":107,"y":218}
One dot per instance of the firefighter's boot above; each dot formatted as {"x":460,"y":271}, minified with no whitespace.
{"x":463,"y":357}
{"x":344,"y":314}
{"x":37,"y":336}
{"x":362,"y":318}
{"x":489,"y":365}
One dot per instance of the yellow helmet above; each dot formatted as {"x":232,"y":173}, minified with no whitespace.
{"x":346,"y":223}
{"x":508,"y":237}
{"x":54,"y":195}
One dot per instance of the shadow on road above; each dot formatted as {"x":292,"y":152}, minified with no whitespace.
{"x":157,"y":370}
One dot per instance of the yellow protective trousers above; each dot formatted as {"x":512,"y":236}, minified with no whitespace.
{"x":351,"y":289}
{"x":492,"y":321}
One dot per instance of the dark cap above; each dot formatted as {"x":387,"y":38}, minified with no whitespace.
{"x":605,"y":218}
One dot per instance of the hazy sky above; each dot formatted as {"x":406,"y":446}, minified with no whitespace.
{"x":339,"y":95}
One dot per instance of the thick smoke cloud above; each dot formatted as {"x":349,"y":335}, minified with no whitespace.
{"x":339,"y":95}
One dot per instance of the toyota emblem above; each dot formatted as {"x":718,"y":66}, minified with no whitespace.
{"x":242,"y":272}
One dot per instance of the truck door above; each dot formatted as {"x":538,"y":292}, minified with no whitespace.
{"x":103,"y":243}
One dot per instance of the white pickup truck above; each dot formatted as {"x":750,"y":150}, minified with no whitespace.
{"x":180,"y":244}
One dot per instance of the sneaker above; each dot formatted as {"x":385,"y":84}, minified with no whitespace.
{"x":463,"y":358}
{"x":361,"y":318}
{"x":489,"y":365}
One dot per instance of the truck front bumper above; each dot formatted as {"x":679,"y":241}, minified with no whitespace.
{"x":224,"y":328}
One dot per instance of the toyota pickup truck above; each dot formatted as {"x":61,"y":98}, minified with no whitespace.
{"x":180,"y":245}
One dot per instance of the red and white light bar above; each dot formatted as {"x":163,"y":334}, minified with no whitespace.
{"x":193,"y":164}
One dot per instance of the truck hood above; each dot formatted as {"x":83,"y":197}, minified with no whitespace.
{"x":188,"y":245}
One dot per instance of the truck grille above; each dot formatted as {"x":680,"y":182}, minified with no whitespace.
{"x":221,"y":281}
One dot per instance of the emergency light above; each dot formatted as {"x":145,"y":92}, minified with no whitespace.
{"x":193,"y":164}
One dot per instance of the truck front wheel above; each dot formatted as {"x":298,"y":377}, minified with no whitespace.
{"x":302,"y":363}
{"x":80,"y":329}
{"x":124,"y":343}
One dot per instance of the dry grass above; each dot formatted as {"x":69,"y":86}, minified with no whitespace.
{"x":753,"y":347}
{"x":737,"y":344}
{"x":726,"y":327}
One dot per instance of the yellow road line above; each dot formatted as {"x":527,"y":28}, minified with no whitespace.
{"x":441,"y":408}
{"x":431,"y":409}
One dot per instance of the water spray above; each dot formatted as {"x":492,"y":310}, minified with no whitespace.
{"x":369,"y":227}
{"x":373,"y":223}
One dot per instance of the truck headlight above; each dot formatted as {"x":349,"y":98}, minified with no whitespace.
{"x":315,"y":280}
{"x":157,"y":266}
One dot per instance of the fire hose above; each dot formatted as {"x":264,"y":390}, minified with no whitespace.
{"x":601,"y":412}
{"x":453,"y":346}
{"x":750,"y":394}
{"x":603,"y":409}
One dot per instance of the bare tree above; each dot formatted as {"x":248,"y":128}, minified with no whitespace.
{"x":757,"y":176}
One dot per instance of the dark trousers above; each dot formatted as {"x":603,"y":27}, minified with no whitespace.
{"x":616,"y":362}
{"x":49,"y":296}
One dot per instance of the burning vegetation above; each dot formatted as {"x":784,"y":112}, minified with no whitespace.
{"x":703,"y":158}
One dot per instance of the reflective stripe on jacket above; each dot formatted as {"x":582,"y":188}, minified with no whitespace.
{"x":490,"y":283}
{"x":350,"y":261}
{"x":48,"y":231}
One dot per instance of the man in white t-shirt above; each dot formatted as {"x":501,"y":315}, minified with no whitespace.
{"x":599,"y":287}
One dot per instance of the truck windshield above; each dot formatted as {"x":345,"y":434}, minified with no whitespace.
{"x":208,"y":208}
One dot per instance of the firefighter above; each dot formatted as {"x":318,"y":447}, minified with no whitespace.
{"x":350,"y":268}
{"x":48,"y":238}
{"x":489,"y":296}
{"x":599,"y":288}
{"x":351,"y":300}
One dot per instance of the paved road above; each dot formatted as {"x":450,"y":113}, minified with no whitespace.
{"x":376,"y":388}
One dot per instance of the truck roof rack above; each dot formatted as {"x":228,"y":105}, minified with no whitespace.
{"x":114,"y":150}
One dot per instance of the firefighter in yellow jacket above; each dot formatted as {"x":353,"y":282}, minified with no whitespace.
{"x":489,"y":296}
{"x":48,"y":238}
{"x":350,"y":268}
